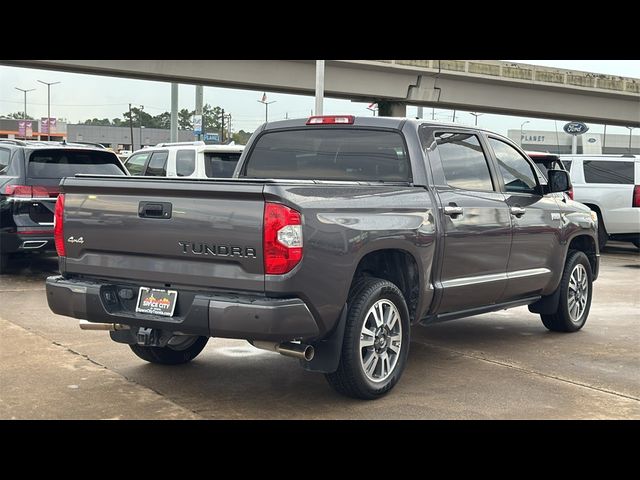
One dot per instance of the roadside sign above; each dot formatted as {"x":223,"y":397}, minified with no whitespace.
{"x":211,"y":137}
{"x":575,"y":128}
{"x":197,"y":124}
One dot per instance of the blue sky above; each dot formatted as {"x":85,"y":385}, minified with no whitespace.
{"x":79,"y":97}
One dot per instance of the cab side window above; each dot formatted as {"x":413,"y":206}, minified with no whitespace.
{"x":185,"y":162}
{"x":135,"y":163}
{"x":518,"y":174}
{"x":463,"y":161}
{"x":157,"y":165}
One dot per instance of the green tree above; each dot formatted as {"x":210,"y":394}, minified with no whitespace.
{"x":98,"y":121}
{"x":140,"y":117}
{"x":241,"y":137}
{"x":163,"y":120}
{"x":184,"y":119}
{"x":212,"y":118}
{"x":19,"y":116}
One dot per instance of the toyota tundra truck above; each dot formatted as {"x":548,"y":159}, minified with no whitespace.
{"x":335,"y":236}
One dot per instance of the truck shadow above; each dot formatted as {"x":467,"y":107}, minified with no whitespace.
{"x":239,"y":382}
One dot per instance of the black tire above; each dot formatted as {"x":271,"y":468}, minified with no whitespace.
{"x":603,"y":236}
{"x":168,"y":355}
{"x":561,"y":321}
{"x":350,"y":378}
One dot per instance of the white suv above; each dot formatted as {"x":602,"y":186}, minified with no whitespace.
{"x":185,"y":159}
{"x":610,"y":186}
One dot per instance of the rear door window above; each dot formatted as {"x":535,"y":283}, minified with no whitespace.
{"x":330,"y":154}
{"x":185,"y":162}
{"x":135,"y":163}
{"x":220,"y":164}
{"x":463,"y":161}
{"x":66,"y":163}
{"x":518,"y":173}
{"x":157,"y":166}
{"x":608,"y":172}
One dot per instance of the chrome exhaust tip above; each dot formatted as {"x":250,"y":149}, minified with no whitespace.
{"x":33,"y":244}
{"x":85,"y":325}
{"x":301,"y":351}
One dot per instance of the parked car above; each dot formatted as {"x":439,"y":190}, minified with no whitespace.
{"x":334,"y":238}
{"x":549,"y":161}
{"x":610,"y":186}
{"x":30,"y":172}
{"x":185,"y":159}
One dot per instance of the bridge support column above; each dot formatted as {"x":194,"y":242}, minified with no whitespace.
{"x":392,"y":109}
{"x":174,"y":113}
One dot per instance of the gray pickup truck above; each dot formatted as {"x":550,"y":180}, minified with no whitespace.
{"x":334,"y":237}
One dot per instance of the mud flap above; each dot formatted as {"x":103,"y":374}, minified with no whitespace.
{"x":329,"y":349}
{"x":547,"y":305}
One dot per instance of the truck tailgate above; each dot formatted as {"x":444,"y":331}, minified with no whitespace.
{"x":206,"y":234}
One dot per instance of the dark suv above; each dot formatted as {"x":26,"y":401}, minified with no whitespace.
{"x":30,"y":172}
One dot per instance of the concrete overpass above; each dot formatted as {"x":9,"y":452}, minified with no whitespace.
{"x":471,"y":85}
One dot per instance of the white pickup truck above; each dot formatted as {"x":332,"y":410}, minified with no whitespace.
{"x":185,"y":159}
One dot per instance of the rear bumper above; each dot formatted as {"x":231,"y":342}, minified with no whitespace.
{"x":229,"y":316}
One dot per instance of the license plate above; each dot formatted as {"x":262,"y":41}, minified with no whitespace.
{"x":156,"y":301}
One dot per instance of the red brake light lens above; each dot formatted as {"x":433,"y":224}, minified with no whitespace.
{"x":636,"y":196}
{"x":28,"y":191}
{"x":570,"y":193}
{"x":282,"y":239}
{"x":331,"y":120}
{"x":58,"y":228}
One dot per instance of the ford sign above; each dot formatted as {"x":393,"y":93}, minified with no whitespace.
{"x":575,"y":128}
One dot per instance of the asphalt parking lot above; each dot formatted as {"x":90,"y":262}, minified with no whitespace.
{"x":503,"y":365}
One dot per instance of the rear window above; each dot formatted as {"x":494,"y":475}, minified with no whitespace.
{"x":219,"y":164}
{"x":66,"y":163}
{"x":330,"y":154}
{"x":608,"y":172}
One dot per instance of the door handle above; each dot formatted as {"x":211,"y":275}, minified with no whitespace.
{"x":517,"y":211}
{"x":155,"y":210}
{"x":453,"y":211}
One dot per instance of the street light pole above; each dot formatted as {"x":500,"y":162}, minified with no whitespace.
{"x":266,"y":106}
{"x":141,"y":127}
{"x":48,"y":107}
{"x":522,"y":125}
{"x":476,"y":115}
{"x":24,"y":113}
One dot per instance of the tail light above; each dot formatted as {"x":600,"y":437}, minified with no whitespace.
{"x":27,"y":191}
{"x":331,"y":120}
{"x":570,"y":193}
{"x":58,"y":227}
{"x":282,"y":238}
{"x":636,"y":196}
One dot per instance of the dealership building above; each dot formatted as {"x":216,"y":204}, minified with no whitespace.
{"x":587,"y":143}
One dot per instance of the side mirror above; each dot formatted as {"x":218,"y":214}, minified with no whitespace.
{"x":559,"y":181}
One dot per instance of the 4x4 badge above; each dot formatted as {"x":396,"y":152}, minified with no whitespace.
{"x":75,"y":240}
